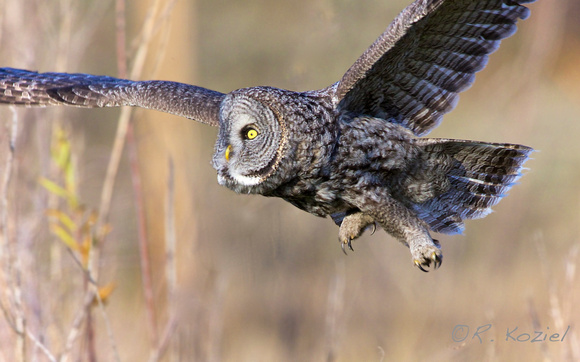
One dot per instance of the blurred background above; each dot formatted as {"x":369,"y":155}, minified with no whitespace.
{"x":255,"y":279}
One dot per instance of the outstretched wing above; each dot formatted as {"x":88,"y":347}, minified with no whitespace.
{"x":23,"y":87}
{"x":413,"y":72}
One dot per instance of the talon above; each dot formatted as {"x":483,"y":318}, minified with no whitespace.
{"x":343,"y":249}
{"x":350,"y":244}
{"x":374,"y":225}
{"x":418,"y":265}
{"x":437,"y":260}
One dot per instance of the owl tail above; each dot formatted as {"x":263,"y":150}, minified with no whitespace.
{"x":473,"y":176}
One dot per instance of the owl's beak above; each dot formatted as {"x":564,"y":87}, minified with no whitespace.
{"x":228,"y":150}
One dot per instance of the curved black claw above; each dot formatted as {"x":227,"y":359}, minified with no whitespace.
{"x":436,"y":259}
{"x":418,"y":265}
{"x":374,"y":226}
{"x":347,"y":243}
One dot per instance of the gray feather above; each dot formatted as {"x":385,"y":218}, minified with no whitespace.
{"x":22,"y":87}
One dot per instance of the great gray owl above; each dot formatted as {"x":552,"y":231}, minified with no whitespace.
{"x":350,"y":150}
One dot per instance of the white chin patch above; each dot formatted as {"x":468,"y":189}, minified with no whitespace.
{"x":245,"y":180}
{"x":221,"y":180}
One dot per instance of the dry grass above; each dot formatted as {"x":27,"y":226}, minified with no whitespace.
{"x":203,"y":274}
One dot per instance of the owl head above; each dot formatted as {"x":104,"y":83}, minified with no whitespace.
{"x":250,"y":142}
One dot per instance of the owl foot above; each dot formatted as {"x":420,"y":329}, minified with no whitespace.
{"x":352,"y":227}
{"x":425,"y":255}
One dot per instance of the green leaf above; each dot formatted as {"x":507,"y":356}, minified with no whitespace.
{"x":63,"y":218}
{"x":64,"y":236}
{"x":58,"y":190}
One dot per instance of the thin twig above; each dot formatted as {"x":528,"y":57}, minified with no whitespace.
{"x":91,"y":350}
{"x":14,"y":264}
{"x":79,"y":263}
{"x":165,"y":339}
{"x":15,"y":319}
{"x":41,"y":346}
{"x":143,"y":244}
{"x":76,"y":325}
{"x":4,"y":248}
{"x":170,"y":265}
{"x":108,"y":326}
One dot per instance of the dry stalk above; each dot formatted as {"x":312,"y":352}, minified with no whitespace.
{"x":75,"y":330}
{"x":4,"y":237}
{"x":112,"y":343}
{"x":125,"y":133}
{"x":12,"y":261}
{"x":41,"y":346}
{"x":334,"y":312}
{"x":170,"y":264}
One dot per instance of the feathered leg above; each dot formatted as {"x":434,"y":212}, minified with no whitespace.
{"x":401,"y":223}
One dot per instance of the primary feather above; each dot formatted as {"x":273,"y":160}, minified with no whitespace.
{"x":23,"y":87}
{"x":412,"y":74}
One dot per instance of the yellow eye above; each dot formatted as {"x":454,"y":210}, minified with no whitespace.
{"x":251,"y":133}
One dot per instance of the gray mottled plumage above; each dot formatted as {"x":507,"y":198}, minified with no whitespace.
{"x":350,"y":151}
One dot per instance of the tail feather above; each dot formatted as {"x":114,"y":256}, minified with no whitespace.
{"x":476,"y":186}
{"x":475,"y":175}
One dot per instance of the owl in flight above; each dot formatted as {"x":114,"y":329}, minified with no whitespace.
{"x":350,"y":150}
